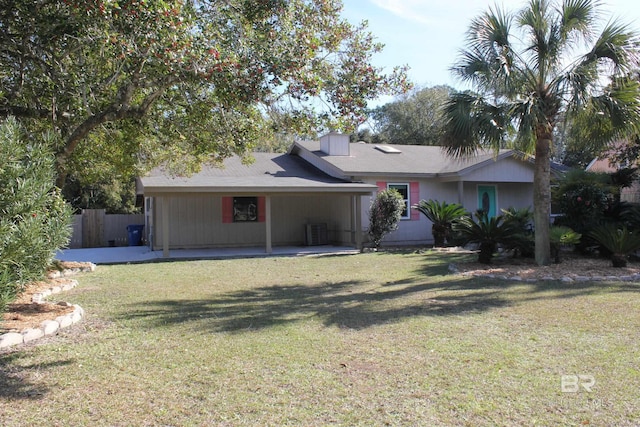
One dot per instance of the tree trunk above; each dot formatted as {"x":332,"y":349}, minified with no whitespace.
{"x":542,"y":200}
{"x":486,"y":252}
{"x":439,"y":235}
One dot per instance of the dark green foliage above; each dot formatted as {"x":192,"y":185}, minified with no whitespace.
{"x":34,"y":219}
{"x":416,"y":119}
{"x":587,"y":200}
{"x":631,"y":216}
{"x":442,"y":215}
{"x":384,"y":215}
{"x":487,"y":232}
{"x":559,"y":236}
{"x":523,"y":245}
{"x":582,"y":198}
{"x":618,"y":240}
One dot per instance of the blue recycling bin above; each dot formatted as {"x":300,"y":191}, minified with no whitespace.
{"x":135,"y":234}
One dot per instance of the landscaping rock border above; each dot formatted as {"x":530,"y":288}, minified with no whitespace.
{"x":50,"y":327}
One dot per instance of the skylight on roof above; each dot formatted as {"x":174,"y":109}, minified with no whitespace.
{"x":387,"y":149}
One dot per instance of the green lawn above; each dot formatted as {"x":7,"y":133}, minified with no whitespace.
{"x":371,"y":339}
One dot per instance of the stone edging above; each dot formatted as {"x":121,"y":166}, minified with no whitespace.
{"x":453,"y":269}
{"x":48,"y":327}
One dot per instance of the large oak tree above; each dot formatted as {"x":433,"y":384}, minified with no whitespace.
{"x":182,"y":80}
{"x":531,"y":68}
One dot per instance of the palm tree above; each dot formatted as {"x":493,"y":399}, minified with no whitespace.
{"x":525,"y":81}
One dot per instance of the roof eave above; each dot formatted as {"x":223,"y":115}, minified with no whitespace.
{"x":359,"y":189}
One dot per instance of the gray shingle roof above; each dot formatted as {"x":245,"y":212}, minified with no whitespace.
{"x":413,"y":160}
{"x":268,"y":173}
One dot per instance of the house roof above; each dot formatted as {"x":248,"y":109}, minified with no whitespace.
{"x":268,"y":173}
{"x":396,"y":160}
{"x":600,"y":165}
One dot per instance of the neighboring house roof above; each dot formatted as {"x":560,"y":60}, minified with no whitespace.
{"x":600,"y":165}
{"x":397,"y":160}
{"x":269,"y":173}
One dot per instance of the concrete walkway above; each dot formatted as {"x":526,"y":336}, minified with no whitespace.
{"x":141,"y":254}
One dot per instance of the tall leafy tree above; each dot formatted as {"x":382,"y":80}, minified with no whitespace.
{"x":529,"y":69}
{"x":413,"y":119}
{"x":195,"y":78}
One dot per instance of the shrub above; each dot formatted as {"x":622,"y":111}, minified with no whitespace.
{"x":523,"y":244}
{"x":487,"y":232}
{"x":34,"y":219}
{"x":442,"y":215}
{"x":618,"y":240}
{"x":384,"y":215}
{"x":582,"y":198}
{"x":559,"y":236}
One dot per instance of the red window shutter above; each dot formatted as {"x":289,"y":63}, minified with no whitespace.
{"x":262,"y":215}
{"x":414,"y":198}
{"x":227,"y":209}
{"x":382,"y":185}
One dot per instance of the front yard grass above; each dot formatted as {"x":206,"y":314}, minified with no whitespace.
{"x":368,"y":339}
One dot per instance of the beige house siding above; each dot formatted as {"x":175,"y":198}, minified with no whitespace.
{"x":506,"y":170}
{"x":196,"y":221}
{"x":418,"y":232}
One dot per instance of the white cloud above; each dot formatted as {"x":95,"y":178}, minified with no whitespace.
{"x":405,"y":9}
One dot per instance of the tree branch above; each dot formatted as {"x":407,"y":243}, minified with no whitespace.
{"x":25,"y":112}
{"x":119,"y":110}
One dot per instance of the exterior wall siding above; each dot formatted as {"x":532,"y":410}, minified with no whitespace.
{"x":517,"y":195}
{"x":507,"y":170}
{"x":418,"y":232}
{"x":195,"y":221}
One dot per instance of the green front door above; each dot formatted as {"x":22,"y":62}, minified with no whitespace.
{"x":487,"y":199}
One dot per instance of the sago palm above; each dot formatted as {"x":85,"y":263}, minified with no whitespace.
{"x":526,"y":77}
{"x":618,"y":240}
{"x":442,"y":215}
{"x":487,"y":232}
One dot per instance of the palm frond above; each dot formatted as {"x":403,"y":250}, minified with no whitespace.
{"x":619,"y":105}
{"x":577,"y":17}
{"x":534,"y":21}
{"x":471,"y":123}
{"x":618,"y":240}
{"x":460,"y":139}
{"x":490,"y":30}
{"x":489,"y":56}
{"x":440,"y":213}
{"x":617,"y":44}
{"x":472,"y":66}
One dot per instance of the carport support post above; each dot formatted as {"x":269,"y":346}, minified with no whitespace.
{"x":358,"y":222}
{"x":267,"y":220}
{"x":165,"y":226}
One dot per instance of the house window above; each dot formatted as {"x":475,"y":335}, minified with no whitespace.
{"x":403,"y":189}
{"x":245,"y":209}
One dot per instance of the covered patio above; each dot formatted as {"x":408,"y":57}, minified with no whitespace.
{"x":268,"y":203}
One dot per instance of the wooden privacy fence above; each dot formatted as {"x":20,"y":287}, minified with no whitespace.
{"x":94,"y":229}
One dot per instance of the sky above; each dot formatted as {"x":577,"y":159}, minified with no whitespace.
{"x":427,"y":35}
